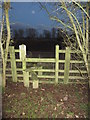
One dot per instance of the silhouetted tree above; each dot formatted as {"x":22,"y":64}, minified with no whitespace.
{"x":31,"y":33}
{"x":16,"y":35}
{"x":53,"y":32}
{"x":46,"y":34}
{"x":20,"y":33}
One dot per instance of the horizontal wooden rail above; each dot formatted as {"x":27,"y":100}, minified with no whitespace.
{"x":48,"y":76}
{"x":76,"y":71}
{"x":71,"y":51}
{"x":46,"y":60}
{"x":50,"y":70}
{"x":42,"y":70}
{"x":76,"y":61}
{"x":62,"y":51}
{"x":76,"y":77}
{"x":18,"y":69}
{"x":40,"y":60}
{"x":17,"y":50}
{"x":17,"y":60}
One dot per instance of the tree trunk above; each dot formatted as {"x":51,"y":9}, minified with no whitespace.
{"x":4,"y":75}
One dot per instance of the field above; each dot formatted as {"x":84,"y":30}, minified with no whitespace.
{"x":48,"y":101}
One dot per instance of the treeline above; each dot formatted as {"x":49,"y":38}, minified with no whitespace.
{"x":37,"y":40}
{"x":33,"y":33}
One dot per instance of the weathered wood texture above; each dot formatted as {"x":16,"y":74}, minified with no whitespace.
{"x":57,"y":64}
{"x":13,"y":64}
{"x":67,"y":65}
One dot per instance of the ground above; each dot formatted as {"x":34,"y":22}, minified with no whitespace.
{"x":48,"y":101}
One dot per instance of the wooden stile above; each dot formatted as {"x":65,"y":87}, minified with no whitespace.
{"x":67,"y":65}
{"x":13,"y":63}
{"x":39,"y":69}
{"x":57,"y":64}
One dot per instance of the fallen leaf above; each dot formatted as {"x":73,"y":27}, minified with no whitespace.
{"x":23,"y":113}
{"x":55,"y":108}
{"x":58,"y":105}
{"x":43,"y":89}
{"x":9,"y":95}
{"x":76,"y":116}
{"x":42,"y":99}
{"x":62,"y":112}
{"x":65,"y":98}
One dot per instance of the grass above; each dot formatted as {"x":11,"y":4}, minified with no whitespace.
{"x":43,"y":102}
{"x":70,"y":113}
{"x":84,"y":106}
{"x":8,"y":110}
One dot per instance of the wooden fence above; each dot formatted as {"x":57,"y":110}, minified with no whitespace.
{"x":44,"y":70}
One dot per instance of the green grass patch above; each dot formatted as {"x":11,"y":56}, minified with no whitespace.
{"x":84,"y":106}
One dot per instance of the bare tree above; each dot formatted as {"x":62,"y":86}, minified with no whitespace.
{"x":74,"y":18}
{"x":6,"y":42}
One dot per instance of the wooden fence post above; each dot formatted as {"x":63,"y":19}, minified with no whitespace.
{"x":23,"y":58}
{"x":26,"y":78}
{"x":40,"y":72}
{"x":67,"y":65}
{"x":57,"y":64}
{"x":13,"y":63}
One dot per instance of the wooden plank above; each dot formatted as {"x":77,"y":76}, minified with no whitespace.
{"x":44,"y":60}
{"x":71,"y":61}
{"x":35,"y":84}
{"x":57,"y":64}
{"x":43,"y":76}
{"x":76,"y":77}
{"x":22,"y":54}
{"x":76,"y":71}
{"x":67,"y":65}
{"x":26,"y":78}
{"x":71,"y":51}
{"x":62,"y":51}
{"x":61,"y":61}
{"x":17,"y":60}
{"x":17,"y":50}
{"x":76,"y":61}
{"x":18,"y":75}
{"x":44,"y":70}
{"x":13,"y":63}
{"x":49,"y":70}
